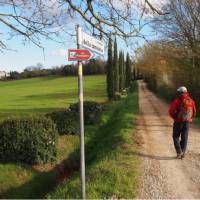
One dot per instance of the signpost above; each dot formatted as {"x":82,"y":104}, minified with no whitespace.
{"x":92,"y":43}
{"x":79,"y":54}
{"x":89,"y":42}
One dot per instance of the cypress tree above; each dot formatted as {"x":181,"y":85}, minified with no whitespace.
{"x":128,"y":70}
{"x":124,"y":71}
{"x":120,"y":71}
{"x":134,"y":73}
{"x":110,"y":81}
{"x":116,"y":68}
{"x":138,"y":73}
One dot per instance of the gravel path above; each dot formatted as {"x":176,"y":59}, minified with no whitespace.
{"x":163,"y":176}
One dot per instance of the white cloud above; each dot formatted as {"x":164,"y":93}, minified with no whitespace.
{"x":148,"y":13}
{"x":59,"y":53}
{"x":137,"y":6}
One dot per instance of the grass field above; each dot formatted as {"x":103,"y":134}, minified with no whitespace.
{"x":20,"y":181}
{"x":112,"y":167}
{"x":111,"y":161}
{"x":39,"y":95}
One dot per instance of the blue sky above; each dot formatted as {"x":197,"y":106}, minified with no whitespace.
{"x":29,"y":54}
{"x":22,"y":56}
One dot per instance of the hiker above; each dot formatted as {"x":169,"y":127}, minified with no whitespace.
{"x":182,"y":110}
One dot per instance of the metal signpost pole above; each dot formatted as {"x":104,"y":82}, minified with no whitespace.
{"x":89,"y":42}
{"x":81,"y":117}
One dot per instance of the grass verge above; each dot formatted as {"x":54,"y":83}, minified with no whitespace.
{"x":197,"y":120}
{"x":112,"y":167}
{"x":42,"y":95}
{"x":20,"y":181}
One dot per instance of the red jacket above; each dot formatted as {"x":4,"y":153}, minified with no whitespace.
{"x":175,"y":106}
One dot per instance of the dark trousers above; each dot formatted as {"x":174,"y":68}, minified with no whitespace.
{"x":180,"y":136}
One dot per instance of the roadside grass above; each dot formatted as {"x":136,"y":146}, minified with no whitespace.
{"x":197,"y":120}
{"x":20,"y":181}
{"x":41,"y":95}
{"x":36,"y":96}
{"x":112,"y":164}
{"x":112,"y":167}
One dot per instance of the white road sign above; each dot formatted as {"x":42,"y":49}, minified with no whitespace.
{"x":90,"y":42}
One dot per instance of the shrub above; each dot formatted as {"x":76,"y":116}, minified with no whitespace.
{"x":30,"y":140}
{"x":92,"y":111}
{"x":133,"y":86}
{"x":66,"y":121}
{"x":124,"y":92}
{"x":117,"y":96}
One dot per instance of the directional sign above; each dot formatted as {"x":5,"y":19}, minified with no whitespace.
{"x":79,"y":54}
{"x":90,"y":42}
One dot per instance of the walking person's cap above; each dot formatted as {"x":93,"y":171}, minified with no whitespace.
{"x":182,"y":89}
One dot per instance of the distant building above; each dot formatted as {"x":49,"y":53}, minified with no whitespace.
{"x":4,"y":75}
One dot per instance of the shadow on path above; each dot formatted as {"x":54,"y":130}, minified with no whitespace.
{"x":155,"y":157}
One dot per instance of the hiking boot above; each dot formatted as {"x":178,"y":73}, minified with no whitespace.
{"x":179,"y":156}
{"x":182,"y":155}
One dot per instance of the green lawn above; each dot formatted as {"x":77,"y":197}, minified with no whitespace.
{"x":112,"y":165}
{"x":20,"y":181}
{"x":39,"y":95}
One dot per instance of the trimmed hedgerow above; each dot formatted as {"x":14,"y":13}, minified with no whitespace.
{"x":31,"y":140}
{"x":66,"y":121}
{"x":92,"y":111}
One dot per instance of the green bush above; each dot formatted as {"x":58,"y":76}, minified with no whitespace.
{"x":92,"y":111}
{"x":133,"y":86}
{"x":152,"y":84}
{"x":124,"y":92}
{"x":30,"y":140}
{"x":166,"y":93}
{"x":66,"y":121}
{"x":117,"y":96}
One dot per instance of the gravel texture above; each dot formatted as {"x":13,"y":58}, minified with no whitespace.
{"x":164,"y":176}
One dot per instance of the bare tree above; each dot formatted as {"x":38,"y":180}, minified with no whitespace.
{"x":34,"y":19}
{"x":31,"y":20}
{"x":182,"y":27}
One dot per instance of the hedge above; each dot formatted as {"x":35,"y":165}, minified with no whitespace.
{"x":67,"y":121}
{"x":92,"y":111}
{"x":30,"y":140}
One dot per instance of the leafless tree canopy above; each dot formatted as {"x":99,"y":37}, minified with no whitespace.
{"x":181,"y":26}
{"x":29,"y":19}
{"x":33,"y":19}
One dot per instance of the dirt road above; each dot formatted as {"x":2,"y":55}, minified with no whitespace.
{"x":163,"y":175}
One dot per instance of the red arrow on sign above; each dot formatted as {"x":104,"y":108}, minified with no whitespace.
{"x":79,"y":54}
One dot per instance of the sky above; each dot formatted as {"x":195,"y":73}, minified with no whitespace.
{"x":22,"y":56}
{"x":54,"y":54}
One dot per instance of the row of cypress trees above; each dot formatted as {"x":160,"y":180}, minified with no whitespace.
{"x":119,"y":72}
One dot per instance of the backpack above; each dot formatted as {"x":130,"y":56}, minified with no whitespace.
{"x":186,"y":109}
